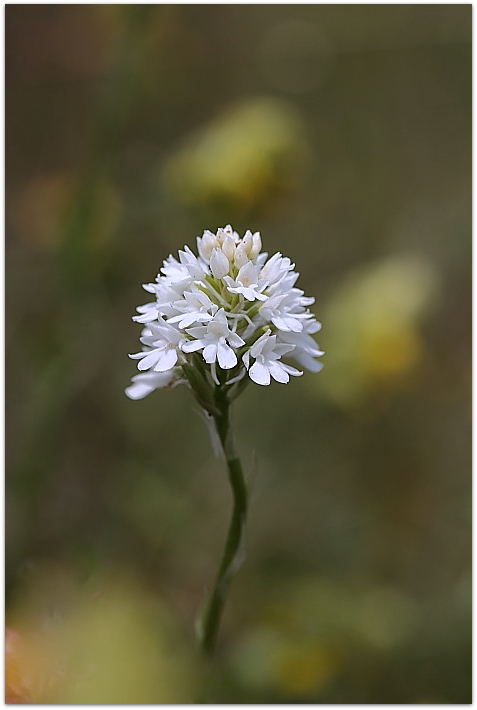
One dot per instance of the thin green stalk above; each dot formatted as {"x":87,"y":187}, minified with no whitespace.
{"x":234,"y":546}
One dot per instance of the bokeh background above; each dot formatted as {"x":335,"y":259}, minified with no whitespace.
{"x":343,"y":134}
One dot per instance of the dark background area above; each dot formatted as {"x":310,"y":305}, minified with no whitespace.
{"x":343,"y":134}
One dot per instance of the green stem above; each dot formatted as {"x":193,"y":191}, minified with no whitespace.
{"x":234,"y":545}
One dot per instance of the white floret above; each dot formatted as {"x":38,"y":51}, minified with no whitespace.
{"x":267,"y":353}
{"x":216,"y":340}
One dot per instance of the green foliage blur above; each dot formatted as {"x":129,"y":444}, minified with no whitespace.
{"x":343,"y":134}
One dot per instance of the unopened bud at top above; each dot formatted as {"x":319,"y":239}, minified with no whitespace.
{"x":252,"y":244}
{"x":241,"y":256}
{"x":206,"y":244}
{"x":256,"y":245}
{"x":219,"y":264}
{"x":228,"y":247}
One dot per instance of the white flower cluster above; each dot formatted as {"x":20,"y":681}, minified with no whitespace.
{"x":234,"y":307}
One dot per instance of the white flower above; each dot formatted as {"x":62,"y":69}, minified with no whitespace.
{"x":248,"y":282}
{"x":230,"y":307}
{"x":277,"y":268}
{"x":196,"y":307}
{"x":194,"y":266}
{"x":146,"y":382}
{"x":174,"y":273}
{"x":213,"y":338}
{"x":162,"y":343}
{"x":149,"y":312}
{"x":267,"y":353}
{"x":305,"y":348}
{"x":285,"y":311}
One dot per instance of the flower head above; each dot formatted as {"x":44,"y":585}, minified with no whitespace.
{"x":227,"y":314}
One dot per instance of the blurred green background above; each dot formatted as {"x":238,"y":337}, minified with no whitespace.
{"x":343,"y":134}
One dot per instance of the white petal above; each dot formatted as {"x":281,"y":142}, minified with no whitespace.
{"x":210,"y":353}
{"x":278,"y":372}
{"x":146,"y":382}
{"x":235,"y":340}
{"x":313,"y":326}
{"x":198,"y":331}
{"x":308,"y":362}
{"x":221,"y":319}
{"x":259,"y":373}
{"x":175,"y":319}
{"x":291,"y":370}
{"x":187,"y":320}
{"x":259,"y":344}
{"x":294,"y":324}
{"x":150,"y":360}
{"x":167,"y":361}
{"x":249,"y":272}
{"x":226,"y":356}
{"x":138,"y":390}
{"x":192,"y":345}
{"x":137,"y":356}
{"x":233,"y":289}
{"x":146,"y":318}
{"x":287,"y":324}
{"x":282,"y":348}
{"x":250,"y":293}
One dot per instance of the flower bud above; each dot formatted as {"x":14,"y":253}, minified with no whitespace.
{"x":219,"y":264}
{"x":256,"y":245}
{"x":228,"y":247}
{"x":247,"y":241}
{"x":206,"y":244}
{"x":241,"y":256}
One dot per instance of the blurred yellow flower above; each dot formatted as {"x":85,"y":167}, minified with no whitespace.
{"x":289,"y":662}
{"x":109,"y":644}
{"x":250,"y":154}
{"x":373,"y":326}
{"x":304,"y":668}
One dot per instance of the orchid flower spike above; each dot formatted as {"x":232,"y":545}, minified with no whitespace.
{"x":223,"y":318}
